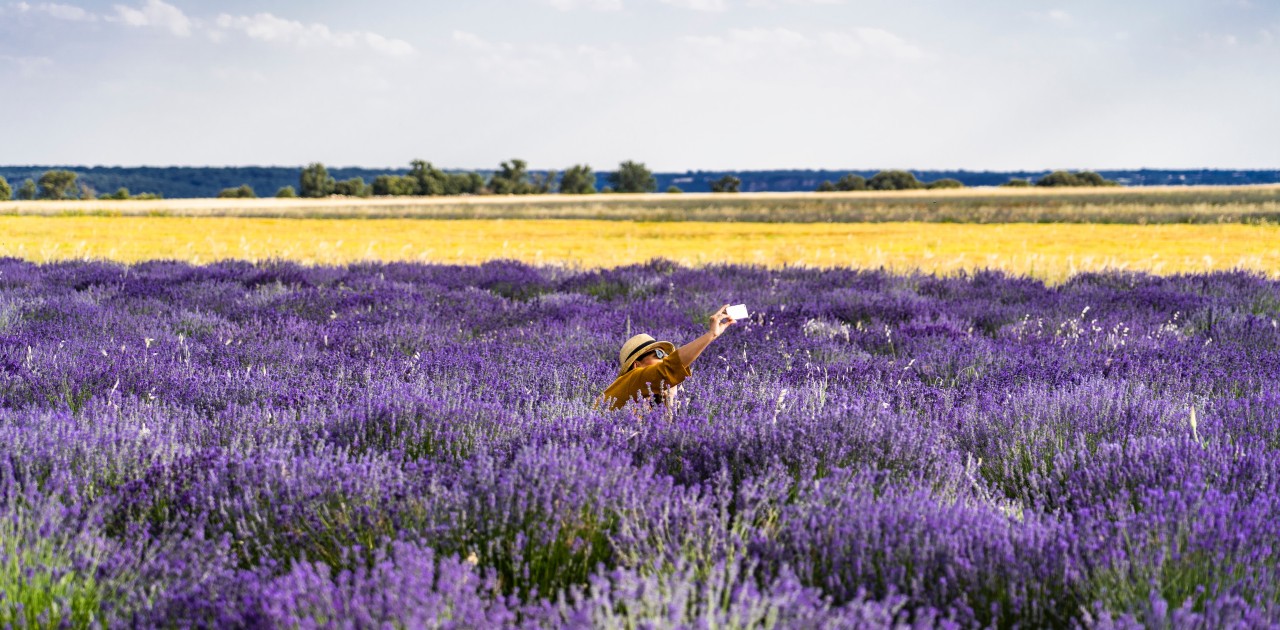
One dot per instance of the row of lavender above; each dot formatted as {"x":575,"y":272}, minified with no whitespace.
{"x":275,"y":445}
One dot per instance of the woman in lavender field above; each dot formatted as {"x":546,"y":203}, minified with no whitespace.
{"x":649,"y":370}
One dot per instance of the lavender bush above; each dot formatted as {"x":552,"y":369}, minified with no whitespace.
{"x":272,"y":445}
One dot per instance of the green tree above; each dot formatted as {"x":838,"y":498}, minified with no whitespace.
{"x":850,"y":182}
{"x":543,"y":183}
{"x":121,"y":194}
{"x":893,"y":180}
{"x":286,"y":193}
{"x":394,"y":186}
{"x":511,"y":179}
{"x":1016,"y":183}
{"x":674,"y":190}
{"x":578,"y":180}
{"x":428,"y":180}
{"x":945,"y":182}
{"x":463,"y":184}
{"x":633,"y":177}
{"x":6,"y":191}
{"x":826,"y":186}
{"x":726,"y":184}
{"x":315,"y":181}
{"x":354,"y":187}
{"x":58,"y":185}
{"x":243,"y":191}
{"x":27,"y":191}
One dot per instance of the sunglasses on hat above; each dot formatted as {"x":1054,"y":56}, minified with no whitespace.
{"x":657,"y":352}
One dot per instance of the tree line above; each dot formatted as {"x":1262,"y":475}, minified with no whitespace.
{"x":511,"y":178}
{"x":905,"y":180}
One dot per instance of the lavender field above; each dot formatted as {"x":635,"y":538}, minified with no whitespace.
{"x":273,"y":445}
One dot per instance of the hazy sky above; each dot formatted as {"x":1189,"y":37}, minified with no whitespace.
{"x":677,"y":84}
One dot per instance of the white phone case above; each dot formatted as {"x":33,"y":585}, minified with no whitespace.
{"x":737,"y":311}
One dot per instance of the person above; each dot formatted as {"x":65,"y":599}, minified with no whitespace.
{"x":649,"y":370}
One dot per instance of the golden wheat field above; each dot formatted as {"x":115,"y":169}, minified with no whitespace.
{"x":1048,"y":251}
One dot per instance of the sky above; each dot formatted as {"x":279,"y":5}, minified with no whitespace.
{"x":676,"y":84}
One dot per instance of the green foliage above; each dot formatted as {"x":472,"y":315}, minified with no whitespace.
{"x":429,"y":181}
{"x":945,"y":182}
{"x":726,"y":184}
{"x":606,"y":190}
{"x":578,"y":180}
{"x":511,"y":179}
{"x":394,"y":185}
{"x":315,"y":181}
{"x":543,"y":183}
{"x":46,"y":581}
{"x":673,"y":189}
{"x":463,"y":184}
{"x":27,"y":191}
{"x":6,"y":191}
{"x":633,"y":177}
{"x":58,"y":185}
{"x":851,"y":182}
{"x":286,"y":192}
{"x":1065,"y":178}
{"x":894,"y":180}
{"x":354,"y":187}
{"x":1016,"y":183}
{"x":243,"y":191}
{"x":826,"y":186}
{"x":121,"y":194}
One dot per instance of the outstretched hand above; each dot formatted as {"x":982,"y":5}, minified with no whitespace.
{"x":720,"y":321}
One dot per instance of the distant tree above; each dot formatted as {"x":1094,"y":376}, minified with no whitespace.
{"x":121,"y":194}
{"x":945,"y":182}
{"x":894,"y":180}
{"x":315,"y":181}
{"x":243,"y":191}
{"x":543,"y":183}
{"x":87,"y":191}
{"x":726,"y":184}
{"x":6,"y":191}
{"x":578,"y":180}
{"x":851,"y":182}
{"x":286,"y":192}
{"x":1065,"y":178}
{"x":463,"y":184}
{"x":633,"y":177}
{"x":354,"y":187}
{"x":511,"y":179}
{"x":673,"y":189}
{"x":1016,"y":183}
{"x":1090,"y":178}
{"x":607,"y":190}
{"x":394,"y":186}
{"x":27,"y":191}
{"x":58,"y":185}
{"x":826,"y":186}
{"x":429,"y":181}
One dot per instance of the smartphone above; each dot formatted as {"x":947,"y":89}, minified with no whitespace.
{"x":737,"y":311}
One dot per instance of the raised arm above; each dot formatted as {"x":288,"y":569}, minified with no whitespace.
{"x":719,"y":322}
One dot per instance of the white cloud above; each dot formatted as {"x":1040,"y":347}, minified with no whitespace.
{"x":871,"y":42}
{"x":595,"y":5}
{"x":774,"y":3}
{"x":576,"y":66}
{"x":857,"y":43}
{"x":266,"y":27}
{"x":1059,"y":16}
{"x":56,"y":11}
{"x":709,"y":6}
{"x":27,"y":66}
{"x":154,"y":14}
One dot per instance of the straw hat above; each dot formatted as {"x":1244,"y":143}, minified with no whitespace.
{"x":638,"y":345}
